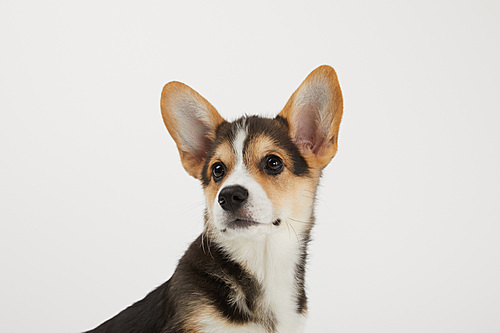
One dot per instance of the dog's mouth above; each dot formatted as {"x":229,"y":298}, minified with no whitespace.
{"x":245,"y":223}
{"x":242,"y":223}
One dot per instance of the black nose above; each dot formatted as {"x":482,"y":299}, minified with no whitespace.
{"x":232,"y":197}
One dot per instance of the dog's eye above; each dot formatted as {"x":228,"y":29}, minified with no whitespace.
{"x":218,"y":171}
{"x":273,"y":164}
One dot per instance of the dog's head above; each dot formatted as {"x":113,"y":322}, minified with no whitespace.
{"x":257,"y":173}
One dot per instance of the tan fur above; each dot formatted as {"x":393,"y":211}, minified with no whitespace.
{"x":204,"y":317}
{"x":225,"y":154}
{"x":286,"y":190}
{"x":173,"y":94}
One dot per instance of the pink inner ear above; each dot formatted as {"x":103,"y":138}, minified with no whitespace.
{"x":195,"y":136}
{"x":307,"y":135}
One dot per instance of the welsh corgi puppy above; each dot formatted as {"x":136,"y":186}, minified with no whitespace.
{"x":245,"y":272}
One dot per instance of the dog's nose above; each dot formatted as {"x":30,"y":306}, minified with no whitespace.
{"x":232,"y":197}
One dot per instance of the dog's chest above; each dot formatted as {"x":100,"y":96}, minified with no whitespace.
{"x":274,"y":263}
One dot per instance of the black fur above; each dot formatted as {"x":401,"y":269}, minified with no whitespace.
{"x":277,"y":129}
{"x":198,"y":275}
{"x":300,"y":272}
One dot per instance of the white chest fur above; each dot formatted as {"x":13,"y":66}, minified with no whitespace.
{"x":273,"y":260}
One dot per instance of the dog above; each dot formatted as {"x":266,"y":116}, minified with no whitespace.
{"x":245,"y":272}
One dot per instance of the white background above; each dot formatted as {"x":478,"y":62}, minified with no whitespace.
{"x":95,"y":208}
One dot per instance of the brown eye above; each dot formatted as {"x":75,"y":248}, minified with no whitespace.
{"x":218,"y":171}
{"x":273,"y":165}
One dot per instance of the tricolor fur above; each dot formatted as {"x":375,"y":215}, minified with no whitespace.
{"x":245,"y":273}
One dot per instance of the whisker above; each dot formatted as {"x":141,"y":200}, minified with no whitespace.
{"x":206,"y":235}
{"x":202,"y":241}
{"x":295,"y":232}
{"x":209,"y":244}
{"x":288,"y":227}
{"x":299,"y":221}
{"x":196,"y":205}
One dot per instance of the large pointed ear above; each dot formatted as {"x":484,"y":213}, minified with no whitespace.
{"x":313,"y":114}
{"x":191,"y":121}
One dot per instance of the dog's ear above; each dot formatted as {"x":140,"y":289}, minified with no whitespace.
{"x":191,"y":121}
{"x":313,"y":114}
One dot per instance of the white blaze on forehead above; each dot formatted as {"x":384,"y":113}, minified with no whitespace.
{"x":239,"y":144}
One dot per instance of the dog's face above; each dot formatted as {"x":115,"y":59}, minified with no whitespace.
{"x":254,"y":177}
{"x":258,"y":174}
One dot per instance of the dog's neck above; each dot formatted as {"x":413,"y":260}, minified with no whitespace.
{"x":265,"y":255}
